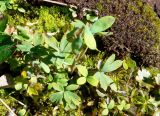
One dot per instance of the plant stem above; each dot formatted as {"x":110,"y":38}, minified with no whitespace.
{"x":9,"y":109}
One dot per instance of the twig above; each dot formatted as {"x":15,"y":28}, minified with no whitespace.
{"x":59,"y":3}
{"x":19,"y":102}
{"x":10,"y":110}
{"x":72,"y":6}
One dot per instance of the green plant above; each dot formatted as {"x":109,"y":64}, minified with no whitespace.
{"x":6,"y":44}
{"x":61,"y":59}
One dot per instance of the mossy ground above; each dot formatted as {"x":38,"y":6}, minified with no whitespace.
{"x":46,"y":19}
{"x":127,"y":27}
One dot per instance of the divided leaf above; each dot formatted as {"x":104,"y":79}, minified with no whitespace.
{"x":111,"y":65}
{"x":56,"y":97}
{"x":105,"y":80}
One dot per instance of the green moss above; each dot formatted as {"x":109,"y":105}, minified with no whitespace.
{"x":8,"y":100}
{"x":50,"y":19}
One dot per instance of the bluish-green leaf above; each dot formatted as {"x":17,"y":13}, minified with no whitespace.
{"x":65,"y":45}
{"x":102,"y":24}
{"x":72,"y":97}
{"x":114,"y":66}
{"x":105,"y":80}
{"x":56,"y":97}
{"x":109,"y":61}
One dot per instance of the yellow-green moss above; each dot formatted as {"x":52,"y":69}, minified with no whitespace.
{"x":8,"y":100}
{"x":50,"y":19}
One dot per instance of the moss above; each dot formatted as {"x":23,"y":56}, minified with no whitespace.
{"x":53,"y":19}
{"x":50,"y":19}
{"x":136,"y":31}
{"x":8,"y":100}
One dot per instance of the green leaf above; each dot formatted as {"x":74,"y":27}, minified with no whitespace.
{"x":111,"y":105}
{"x":76,"y":45}
{"x":102,"y":24}
{"x":65,"y":45}
{"x":78,"y":24}
{"x":23,"y":32}
{"x":6,"y":47}
{"x":105,"y":81}
{"x":37,"y":39}
{"x":45,"y":67}
{"x":52,"y":42}
{"x":112,"y":67}
{"x":120,"y":107}
{"x":22,"y":112}
{"x":92,"y":80}
{"x":109,"y":61}
{"x":3,"y":22}
{"x":5,"y":52}
{"x":105,"y":112}
{"x":56,"y":97}
{"x":113,"y":87}
{"x":82,"y":70}
{"x":89,"y":38}
{"x":72,"y":87}
{"x":25,"y":47}
{"x":81,"y":80}
{"x":57,"y":87}
{"x":72,"y":97}
{"x":127,"y":106}
{"x":18,"y":86}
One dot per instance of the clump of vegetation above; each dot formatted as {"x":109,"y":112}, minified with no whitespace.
{"x":41,"y":18}
{"x":136,"y":31}
{"x":56,"y":75}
